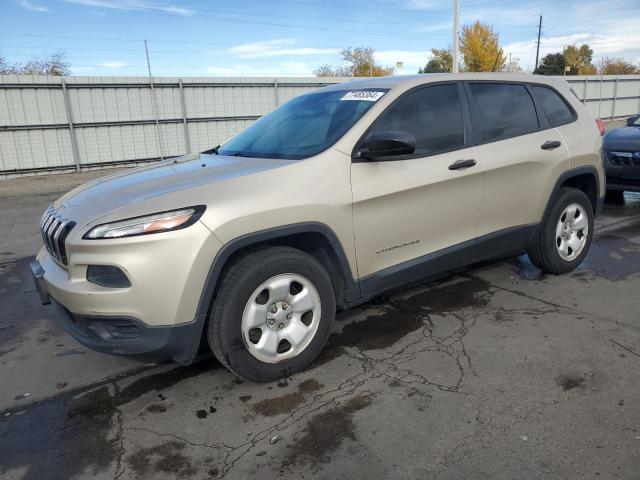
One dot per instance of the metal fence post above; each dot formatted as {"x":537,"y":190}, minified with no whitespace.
{"x":275,"y":92}
{"x":584,"y":96}
{"x":72,"y":133}
{"x":184,"y":118}
{"x":600,"y":101}
{"x":615,"y":95}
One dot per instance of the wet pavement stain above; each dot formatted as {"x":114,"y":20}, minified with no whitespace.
{"x":166,"y":458}
{"x":20,"y":308}
{"x":283,"y":404}
{"x":325,"y":432}
{"x":404,"y":315}
{"x":569,"y":382}
{"x":204,"y":413}
{"x":74,"y":431}
{"x":613,"y":255}
{"x":156,"y":408}
{"x":525,"y":269}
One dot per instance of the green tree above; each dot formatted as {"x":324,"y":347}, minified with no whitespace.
{"x":480,"y":48}
{"x":579,"y":60}
{"x":440,"y":62}
{"x":359,"y":62}
{"x":551,"y":64}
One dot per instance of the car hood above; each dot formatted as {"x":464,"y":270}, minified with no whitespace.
{"x":127,"y":189}
{"x":626,"y":138}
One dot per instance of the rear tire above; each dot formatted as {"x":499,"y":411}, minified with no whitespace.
{"x":564,"y":236}
{"x":272,"y":314}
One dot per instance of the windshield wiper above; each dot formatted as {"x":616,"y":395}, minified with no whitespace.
{"x":212,"y":151}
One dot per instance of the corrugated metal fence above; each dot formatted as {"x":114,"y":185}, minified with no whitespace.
{"x":67,"y":123}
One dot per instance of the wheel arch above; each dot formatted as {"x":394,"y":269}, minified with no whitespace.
{"x":582,"y":178}
{"x":314,"y":238}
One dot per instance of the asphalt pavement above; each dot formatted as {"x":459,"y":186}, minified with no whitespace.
{"x":495,"y":372}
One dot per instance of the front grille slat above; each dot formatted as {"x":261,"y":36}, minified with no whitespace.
{"x":55,"y":229}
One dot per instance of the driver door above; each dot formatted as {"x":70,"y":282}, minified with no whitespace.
{"x":417,"y":214}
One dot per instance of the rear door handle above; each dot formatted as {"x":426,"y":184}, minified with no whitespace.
{"x":550,"y":145}
{"x":457,"y":165}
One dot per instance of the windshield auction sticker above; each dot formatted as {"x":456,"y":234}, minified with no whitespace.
{"x":363,"y":95}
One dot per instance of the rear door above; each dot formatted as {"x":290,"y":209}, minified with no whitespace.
{"x":522,"y":156}
{"x":411,"y":206}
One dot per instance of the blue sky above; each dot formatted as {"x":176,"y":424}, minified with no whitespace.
{"x":292,"y":37}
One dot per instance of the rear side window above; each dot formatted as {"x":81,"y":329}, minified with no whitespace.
{"x":505,"y":110}
{"x":554,"y":106}
{"x":433,"y":115}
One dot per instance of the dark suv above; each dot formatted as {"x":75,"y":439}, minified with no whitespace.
{"x":621,"y":148}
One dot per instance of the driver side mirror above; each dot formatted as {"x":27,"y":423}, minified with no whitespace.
{"x":632,"y":120}
{"x":389,"y":143}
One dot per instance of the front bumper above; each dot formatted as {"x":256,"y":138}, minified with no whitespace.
{"x":156,"y":316}
{"x":120,"y":335}
{"x":622,"y":172}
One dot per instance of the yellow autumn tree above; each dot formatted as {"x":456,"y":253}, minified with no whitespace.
{"x":480,"y":48}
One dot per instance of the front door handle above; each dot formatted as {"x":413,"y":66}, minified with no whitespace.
{"x":457,"y":165}
{"x":550,"y":145}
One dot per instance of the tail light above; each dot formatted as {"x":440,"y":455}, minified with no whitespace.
{"x":601,"y":126}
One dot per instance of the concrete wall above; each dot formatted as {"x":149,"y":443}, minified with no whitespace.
{"x":67,"y":123}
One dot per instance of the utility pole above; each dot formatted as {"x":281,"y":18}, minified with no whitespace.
{"x":538,"y":47}
{"x":454,"y":44}
{"x":154,"y":103}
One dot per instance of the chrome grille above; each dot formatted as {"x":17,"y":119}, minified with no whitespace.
{"x":55,"y":229}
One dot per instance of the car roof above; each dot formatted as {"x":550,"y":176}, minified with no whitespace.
{"x":404,"y":82}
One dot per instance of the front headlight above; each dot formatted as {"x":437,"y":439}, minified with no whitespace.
{"x":155,"y":223}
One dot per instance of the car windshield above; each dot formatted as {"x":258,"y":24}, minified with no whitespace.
{"x":304,"y":126}
{"x":636,"y":122}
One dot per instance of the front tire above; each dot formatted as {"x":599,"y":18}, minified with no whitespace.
{"x":272,"y":314}
{"x":564,"y":237}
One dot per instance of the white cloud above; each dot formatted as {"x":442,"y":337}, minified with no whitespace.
{"x":614,"y":44}
{"x":413,"y":60}
{"x":277,"y":47}
{"x":33,"y":7}
{"x":114,"y":64}
{"x":135,"y":5}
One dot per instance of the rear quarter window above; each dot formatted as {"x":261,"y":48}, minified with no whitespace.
{"x":505,"y":110}
{"x":554,"y":106}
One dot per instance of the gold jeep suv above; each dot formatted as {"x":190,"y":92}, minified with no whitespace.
{"x":336,"y":196}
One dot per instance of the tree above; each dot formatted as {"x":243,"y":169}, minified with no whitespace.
{"x":618,"y":66}
{"x":551,"y":64}
{"x":579,"y":60}
{"x":360,"y":62}
{"x":480,"y":47}
{"x":55,"y":64}
{"x":513,"y":65}
{"x":324,"y":71}
{"x":440,"y":62}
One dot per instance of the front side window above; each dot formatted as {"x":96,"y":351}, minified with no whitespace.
{"x":505,"y":110}
{"x":554,"y":107}
{"x":433,"y":115}
{"x":304,"y":126}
